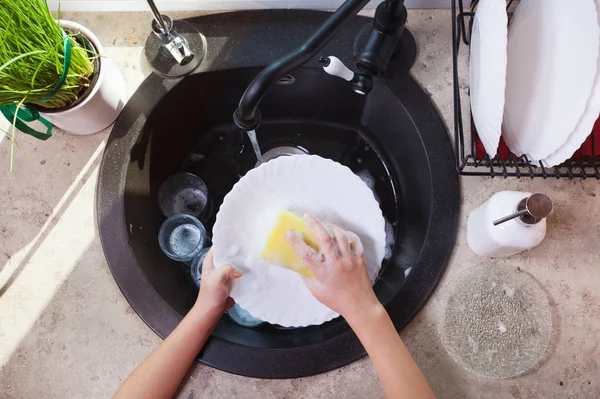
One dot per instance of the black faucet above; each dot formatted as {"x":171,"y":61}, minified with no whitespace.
{"x":381,"y":44}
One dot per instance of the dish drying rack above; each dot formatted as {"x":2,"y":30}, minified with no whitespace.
{"x":471,"y":159}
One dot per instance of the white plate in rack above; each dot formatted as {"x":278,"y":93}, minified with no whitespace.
{"x":586,"y":123}
{"x":552,"y":66}
{"x":488,"y":71}
{"x":300,"y":183}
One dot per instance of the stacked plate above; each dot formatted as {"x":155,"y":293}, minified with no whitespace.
{"x":488,"y":71}
{"x":551,"y":97}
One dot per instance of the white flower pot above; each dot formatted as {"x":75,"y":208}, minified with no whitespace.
{"x":102,"y":106}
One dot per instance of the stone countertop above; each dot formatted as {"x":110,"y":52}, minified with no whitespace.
{"x":67,"y":331}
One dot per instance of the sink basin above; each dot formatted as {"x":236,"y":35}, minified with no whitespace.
{"x":394,"y":138}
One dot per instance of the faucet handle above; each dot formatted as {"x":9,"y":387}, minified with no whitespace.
{"x":334,"y":66}
{"x":361,"y":84}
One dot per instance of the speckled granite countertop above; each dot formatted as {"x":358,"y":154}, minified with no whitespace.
{"x":67,"y":331}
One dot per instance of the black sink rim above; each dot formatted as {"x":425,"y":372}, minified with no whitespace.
{"x":291,"y":362}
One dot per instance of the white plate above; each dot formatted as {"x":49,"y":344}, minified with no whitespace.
{"x":586,"y":123}
{"x":552,"y":66}
{"x":488,"y":71}
{"x":301,"y":183}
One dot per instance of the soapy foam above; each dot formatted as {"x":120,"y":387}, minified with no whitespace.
{"x":355,"y":244}
{"x":367,"y":178}
{"x":390,"y":239}
{"x":233,"y":250}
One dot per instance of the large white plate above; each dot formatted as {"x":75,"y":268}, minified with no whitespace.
{"x":301,"y":183}
{"x":552,"y":66}
{"x":586,"y":123}
{"x":488,"y":71}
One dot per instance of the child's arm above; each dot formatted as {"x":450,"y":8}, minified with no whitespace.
{"x":160,"y":374}
{"x":400,"y":376}
{"x":342,"y":284}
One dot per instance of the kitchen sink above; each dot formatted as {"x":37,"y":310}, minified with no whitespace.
{"x":393,"y":138}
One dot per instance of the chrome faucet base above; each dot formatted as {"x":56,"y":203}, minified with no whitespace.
{"x":176,"y":46}
{"x":176,"y":50}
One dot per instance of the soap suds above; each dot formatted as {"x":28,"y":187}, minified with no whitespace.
{"x":390,"y":239}
{"x":369,"y":181}
{"x":355,"y":243}
{"x":367,"y":178}
{"x":233,"y":251}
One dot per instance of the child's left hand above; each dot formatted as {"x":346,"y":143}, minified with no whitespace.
{"x":213,"y":298}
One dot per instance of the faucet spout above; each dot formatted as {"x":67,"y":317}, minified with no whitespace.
{"x":247,"y":116}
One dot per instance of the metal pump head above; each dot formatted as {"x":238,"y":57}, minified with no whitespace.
{"x":531,"y":210}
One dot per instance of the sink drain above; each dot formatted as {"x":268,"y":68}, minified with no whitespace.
{"x":282,"y":151}
{"x":286,"y":80}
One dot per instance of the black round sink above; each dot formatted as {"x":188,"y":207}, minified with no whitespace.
{"x":393,"y":137}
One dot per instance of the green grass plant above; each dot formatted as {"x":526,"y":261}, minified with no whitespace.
{"x":32,"y":58}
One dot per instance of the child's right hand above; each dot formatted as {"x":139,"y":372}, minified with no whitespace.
{"x":341,"y":281}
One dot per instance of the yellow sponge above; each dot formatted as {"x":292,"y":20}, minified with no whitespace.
{"x":278,"y":251}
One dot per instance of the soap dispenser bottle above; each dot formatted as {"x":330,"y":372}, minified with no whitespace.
{"x":508,"y":223}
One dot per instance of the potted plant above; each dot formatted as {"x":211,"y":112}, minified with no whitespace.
{"x":53,"y":71}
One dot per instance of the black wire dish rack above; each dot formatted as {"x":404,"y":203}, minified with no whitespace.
{"x":471,"y":161}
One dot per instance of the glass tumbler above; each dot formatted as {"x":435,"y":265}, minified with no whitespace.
{"x":181,"y":237}
{"x":185,"y":193}
{"x":196,"y":266}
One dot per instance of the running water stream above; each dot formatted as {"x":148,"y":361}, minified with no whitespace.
{"x":255,"y":146}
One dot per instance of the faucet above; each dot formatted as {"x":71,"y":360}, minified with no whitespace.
{"x":381,"y":44}
{"x":176,"y":46}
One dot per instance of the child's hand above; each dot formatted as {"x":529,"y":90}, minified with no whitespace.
{"x":341,"y":281}
{"x":213,"y":298}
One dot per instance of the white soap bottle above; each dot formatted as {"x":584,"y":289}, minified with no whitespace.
{"x":508,"y":223}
